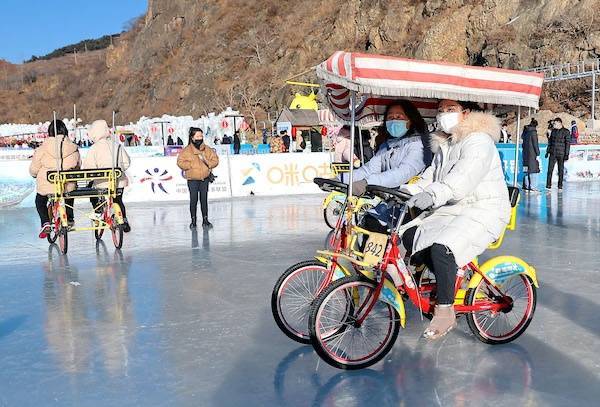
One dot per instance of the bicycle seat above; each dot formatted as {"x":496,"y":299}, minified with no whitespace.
{"x":388,"y":194}
{"x":90,"y":192}
{"x":328,"y":185}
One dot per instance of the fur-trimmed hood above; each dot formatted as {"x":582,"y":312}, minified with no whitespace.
{"x":475,"y":122}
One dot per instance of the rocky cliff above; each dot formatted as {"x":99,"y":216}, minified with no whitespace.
{"x":191,"y":57}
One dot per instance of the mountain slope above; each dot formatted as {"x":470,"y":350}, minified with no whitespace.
{"x":190,"y":57}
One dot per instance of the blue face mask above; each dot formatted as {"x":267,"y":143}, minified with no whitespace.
{"x":396,"y":128}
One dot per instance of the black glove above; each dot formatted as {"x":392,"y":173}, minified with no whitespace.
{"x":359,"y":187}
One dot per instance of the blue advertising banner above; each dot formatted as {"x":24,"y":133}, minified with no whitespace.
{"x":507,"y":155}
{"x":583,"y":164}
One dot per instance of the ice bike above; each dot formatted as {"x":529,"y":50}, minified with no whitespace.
{"x":335,"y":202}
{"x":106,"y":215}
{"x":355,"y":320}
{"x":299,"y":285}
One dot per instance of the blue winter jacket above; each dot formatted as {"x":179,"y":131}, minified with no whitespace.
{"x":396,"y":165}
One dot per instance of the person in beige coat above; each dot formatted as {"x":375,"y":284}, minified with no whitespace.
{"x":56,"y":150}
{"x":197,"y":161}
{"x":101,"y":155}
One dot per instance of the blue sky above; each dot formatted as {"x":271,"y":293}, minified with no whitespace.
{"x":37,"y":27}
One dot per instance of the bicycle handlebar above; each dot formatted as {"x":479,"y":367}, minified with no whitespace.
{"x":386,"y":193}
{"x":328,"y":185}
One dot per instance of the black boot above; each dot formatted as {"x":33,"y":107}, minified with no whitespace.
{"x":126,"y":227}
{"x":206,"y":223}
{"x":193,"y":224}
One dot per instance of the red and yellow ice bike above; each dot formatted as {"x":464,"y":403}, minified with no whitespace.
{"x":354,"y":321}
{"x":107,"y":214}
{"x":334,"y":203}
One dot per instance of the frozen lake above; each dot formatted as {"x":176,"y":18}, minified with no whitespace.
{"x":183,"y":318}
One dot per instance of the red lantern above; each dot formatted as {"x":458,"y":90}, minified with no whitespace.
{"x":224,"y":124}
{"x":293,"y":131}
{"x":323,"y":131}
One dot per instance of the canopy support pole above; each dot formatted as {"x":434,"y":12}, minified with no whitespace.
{"x":362,"y":152}
{"x":114,"y":146}
{"x":593,"y":99}
{"x":57,"y":145}
{"x":352,"y":124}
{"x":517,"y":140}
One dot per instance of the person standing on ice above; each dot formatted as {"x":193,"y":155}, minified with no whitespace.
{"x":197,"y":160}
{"x":559,"y":146}
{"x":237,"y":142}
{"x":574,"y":132}
{"x":531,"y":152}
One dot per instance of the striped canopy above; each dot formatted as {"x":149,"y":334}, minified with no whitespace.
{"x":379,"y":80}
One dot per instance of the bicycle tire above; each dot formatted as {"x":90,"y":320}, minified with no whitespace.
{"x":280,"y":320}
{"x":53,"y":234}
{"x":117,"y":236}
{"x":63,"y":240}
{"x":314,"y":320}
{"x":329,"y":214}
{"x":485,"y":337}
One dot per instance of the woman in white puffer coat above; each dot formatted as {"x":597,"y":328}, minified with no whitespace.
{"x":466,"y":191}
{"x":104,"y":154}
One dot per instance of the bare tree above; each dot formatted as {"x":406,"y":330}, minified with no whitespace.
{"x":252,"y":100}
{"x":255,"y":45}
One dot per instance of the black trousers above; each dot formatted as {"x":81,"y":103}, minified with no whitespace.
{"x":561,"y":170}
{"x":198,"y":189}
{"x":440,"y":260}
{"x":118,"y":199}
{"x":41,"y":204}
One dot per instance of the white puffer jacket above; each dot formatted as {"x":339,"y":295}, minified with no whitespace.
{"x":466,"y":181}
{"x":102,"y":153}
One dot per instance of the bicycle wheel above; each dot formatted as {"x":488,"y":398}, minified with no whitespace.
{"x":507,"y":325}
{"x":117,"y":235}
{"x":334,"y":333}
{"x":292,"y":295}
{"x":63,"y":240}
{"x":53,"y":234}
{"x":332,"y":213}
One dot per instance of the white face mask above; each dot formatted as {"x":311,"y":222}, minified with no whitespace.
{"x":447,"y":121}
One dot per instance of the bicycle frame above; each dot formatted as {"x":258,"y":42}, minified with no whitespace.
{"x":60,"y":179}
{"x":493,"y":272}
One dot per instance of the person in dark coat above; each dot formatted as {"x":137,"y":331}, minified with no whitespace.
{"x":574,"y":132}
{"x":285,"y":137}
{"x":170,"y":141}
{"x":559,"y":146}
{"x":237,"y":143}
{"x":531,"y":152}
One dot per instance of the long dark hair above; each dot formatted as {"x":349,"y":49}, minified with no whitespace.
{"x":193,"y":131}
{"x":417,"y":127}
{"x":61,"y":128}
{"x":417,"y":123}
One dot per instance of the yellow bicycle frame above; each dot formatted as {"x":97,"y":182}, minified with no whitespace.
{"x":60,"y":179}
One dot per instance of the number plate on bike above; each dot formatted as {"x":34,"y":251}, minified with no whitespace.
{"x":375,"y":248}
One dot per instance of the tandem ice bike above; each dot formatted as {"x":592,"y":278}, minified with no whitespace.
{"x":106,"y":215}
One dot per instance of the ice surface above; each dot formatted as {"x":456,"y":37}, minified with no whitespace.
{"x":183,"y":318}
